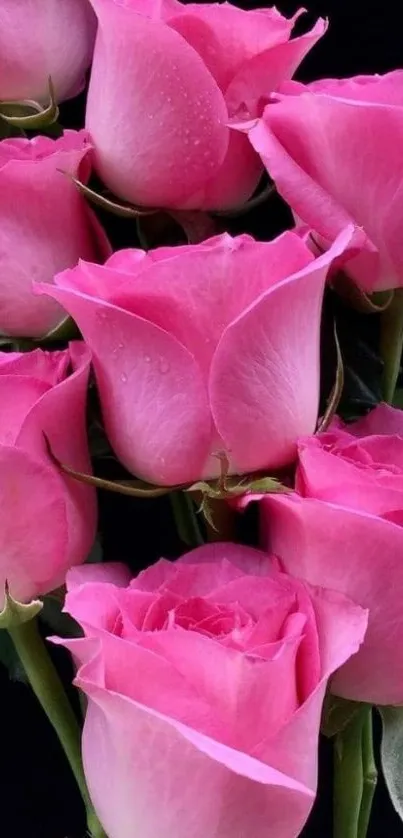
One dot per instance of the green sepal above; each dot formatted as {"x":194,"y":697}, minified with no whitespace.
{"x":105,"y":203}
{"x":14,"y":613}
{"x":30,"y":115}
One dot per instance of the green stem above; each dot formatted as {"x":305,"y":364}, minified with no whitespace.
{"x":391,"y":343}
{"x":370,"y":776}
{"x":353,"y":777}
{"x":224,"y":519}
{"x":49,"y":691}
{"x":187,"y":525}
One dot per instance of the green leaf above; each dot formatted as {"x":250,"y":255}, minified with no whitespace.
{"x":392,"y":754}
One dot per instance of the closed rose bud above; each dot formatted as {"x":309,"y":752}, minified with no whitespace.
{"x":345,"y":531}
{"x":202,"y":349}
{"x":42,"y":38}
{"x":167,"y":80}
{"x":45,"y":226}
{"x":333,"y":150}
{"x":205,"y":680}
{"x":47,"y":520}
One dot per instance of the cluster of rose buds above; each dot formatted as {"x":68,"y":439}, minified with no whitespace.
{"x":205,"y":676}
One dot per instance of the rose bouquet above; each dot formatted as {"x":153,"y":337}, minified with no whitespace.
{"x":201,"y":433}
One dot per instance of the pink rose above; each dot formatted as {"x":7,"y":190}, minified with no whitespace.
{"x":47,"y":520}
{"x":45,"y":226}
{"x":346,"y":533}
{"x":201,"y":349}
{"x":333,"y":149}
{"x":167,"y":79}
{"x":205,"y":679}
{"x":42,"y":38}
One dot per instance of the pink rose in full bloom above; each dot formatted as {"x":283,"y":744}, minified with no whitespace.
{"x":42,"y":38}
{"x":45,"y":226}
{"x":205,"y":679}
{"x":202,"y":349}
{"x":47,"y":520}
{"x":167,"y":79}
{"x":345,"y":532}
{"x":333,"y":149}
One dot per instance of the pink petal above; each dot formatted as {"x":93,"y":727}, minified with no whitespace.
{"x":221,"y":279}
{"x":18,"y":394}
{"x":384,"y":419}
{"x":47,"y":367}
{"x":236,"y":179}
{"x":155,"y":113}
{"x":155,"y":577}
{"x":338,"y":479}
{"x":261,"y":396}
{"x":386,"y":89}
{"x":94,"y":605}
{"x":258,"y":77}
{"x":33,"y":526}
{"x":153,"y":397}
{"x":114,"y":573}
{"x":34,"y":46}
{"x":45,"y":226}
{"x":235,"y":686}
{"x":199,"y":579}
{"x":310,"y":144}
{"x":357,"y":555}
{"x":247,"y":559}
{"x":51,"y":420}
{"x":226,"y":37}
{"x":240,"y":794}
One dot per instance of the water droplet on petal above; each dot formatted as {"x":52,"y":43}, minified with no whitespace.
{"x":147,"y":359}
{"x":123,"y":377}
{"x":163,"y":366}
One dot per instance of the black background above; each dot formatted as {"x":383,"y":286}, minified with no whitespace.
{"x":37,"y":794}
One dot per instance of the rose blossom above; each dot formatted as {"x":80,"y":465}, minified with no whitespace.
{"x":205,"y":679}
{"x":167,"y":79}
{"x":47,"y":520}
{"x":45,"y":226}
{"x":203,"y":348}
{"x":42,"y":38}
{"x":333,"y":149}
{"x":346,"y":533}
